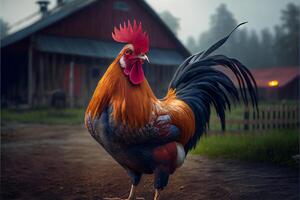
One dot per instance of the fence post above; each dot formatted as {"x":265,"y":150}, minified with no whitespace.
{"x":263,"y":119}
{"x":279,"y":117}
{"x":274,"y":118}
{"x":297,"y":117}
{"x":294,"y":117}
{"x":258,"y":119}
{"x":246,"y":118}
{"x":268,"y":117}
{"x":288,"y":118}
{"x":254,"y":121}
{"x":71,"y":84}
{"x":283,"y":116}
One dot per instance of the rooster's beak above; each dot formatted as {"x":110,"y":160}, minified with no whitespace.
{"x":144,"y":57}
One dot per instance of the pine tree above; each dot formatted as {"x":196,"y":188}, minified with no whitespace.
{"x":287,"y":36}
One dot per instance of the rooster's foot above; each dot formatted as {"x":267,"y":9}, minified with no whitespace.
{"x":130,"y":197}
{"x":117,"y":198}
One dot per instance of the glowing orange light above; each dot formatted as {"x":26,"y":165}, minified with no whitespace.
{"x":273,"y":83}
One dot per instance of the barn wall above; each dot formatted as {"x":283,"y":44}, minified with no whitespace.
{"x":98,"y":19}
{"x":50,"y":70}
{"x":159,"y":78}
{"x":14,"y":63}
{"x":51,"y":74}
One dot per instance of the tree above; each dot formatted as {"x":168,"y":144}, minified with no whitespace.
{"x":267,"y":48}
{"x":205,"y":40}
{"x":192,"y":45}
{"x":3,"y":28}
{"x":241,"y":49}
{"x":171,"y":21}
{"x":254,"y":50}
{"x":221,"y":23}
{"x":287,"y":36}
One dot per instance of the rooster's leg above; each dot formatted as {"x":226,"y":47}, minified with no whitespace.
{"x":157,"y":194}
{"x":161,"y":178}
{"x":135,"y":180}
{"x":132,"y":193}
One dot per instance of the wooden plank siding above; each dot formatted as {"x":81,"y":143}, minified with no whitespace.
{"x":40,"y":73}
{"x":98,"y":20}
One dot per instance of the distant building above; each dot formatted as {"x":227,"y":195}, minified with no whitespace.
{"x":70,"y":47}
{"x":278,"y":83}
{"x":274,"y":83}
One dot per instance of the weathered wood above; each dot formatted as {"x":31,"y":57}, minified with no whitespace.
{"x":41,"y":77}
{"x":283,"y":116}
{"x":271,"y":117}
{"x":288,"y":117}
{"x":71,"y":84}
{"x":47,"y":72}
{"x":97,"y":28}
{"x":30,"y":74}
{"x":61,"y":70}
{"x":54,"y":75}
{"x":268,"y":117}
{"x":278,"y":118}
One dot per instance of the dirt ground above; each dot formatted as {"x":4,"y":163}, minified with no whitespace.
{"x":64,"y":162}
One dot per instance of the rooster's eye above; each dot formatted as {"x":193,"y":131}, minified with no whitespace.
{"x":128,"y":52}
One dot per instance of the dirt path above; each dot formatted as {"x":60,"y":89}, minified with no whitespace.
{"x":64,"y":162}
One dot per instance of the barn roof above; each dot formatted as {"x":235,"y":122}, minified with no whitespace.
{"x":101,"y":49}
{"x":53,"y":16}
{"x":58,"y":13}
{"x":263,"y":76}
{"x":283,"y":75}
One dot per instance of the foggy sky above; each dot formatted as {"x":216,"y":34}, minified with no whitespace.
{"x":194,"y":15}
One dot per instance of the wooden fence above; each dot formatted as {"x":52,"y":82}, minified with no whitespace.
{"x":283,"y":116}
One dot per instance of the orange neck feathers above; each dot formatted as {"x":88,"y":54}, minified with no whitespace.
{"x":180,"y":113}
{"x":132,"y":104}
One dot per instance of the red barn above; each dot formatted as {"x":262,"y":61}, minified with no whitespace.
{"x":70,"y":47}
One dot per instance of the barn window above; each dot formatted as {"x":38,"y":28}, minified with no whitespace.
{"x":121,"y":5}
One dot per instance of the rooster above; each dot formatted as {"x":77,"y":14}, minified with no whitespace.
{"x":147,"y":135}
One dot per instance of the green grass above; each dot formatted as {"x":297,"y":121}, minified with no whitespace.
{"x":43,"y":116}
{"x":275,"y":147}
{"x":237,"y":113}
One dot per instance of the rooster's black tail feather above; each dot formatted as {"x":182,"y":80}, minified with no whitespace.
{"x":200,"y":84}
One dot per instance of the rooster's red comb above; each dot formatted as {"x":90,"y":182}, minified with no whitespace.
{"x":132,"y":35}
